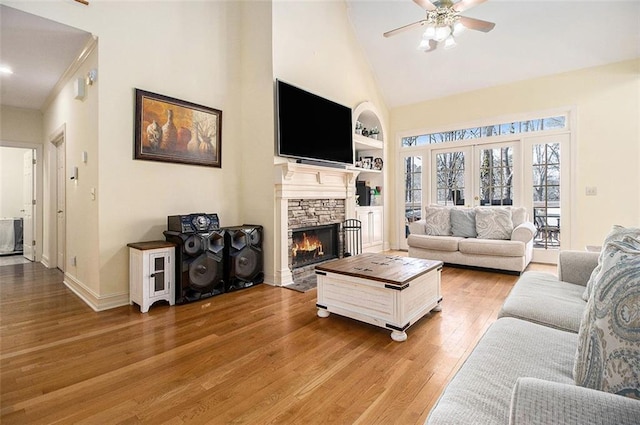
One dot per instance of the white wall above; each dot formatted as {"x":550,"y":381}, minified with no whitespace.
{"x":186,"y":50}
{"x":79,"y":119}
{"x":607,"y":102}
{"x":11,"y":182}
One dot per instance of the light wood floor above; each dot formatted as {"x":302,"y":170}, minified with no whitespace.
{"x":258,"y":356}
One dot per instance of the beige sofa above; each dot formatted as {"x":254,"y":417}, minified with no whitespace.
{"x":502,"y":240}
{"x":530,"y":366}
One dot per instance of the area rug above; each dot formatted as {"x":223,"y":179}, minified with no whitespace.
{"x":303,"y":285}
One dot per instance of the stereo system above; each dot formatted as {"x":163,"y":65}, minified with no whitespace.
{"x":211,"y":260}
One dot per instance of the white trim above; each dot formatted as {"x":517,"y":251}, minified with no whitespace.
{"x":59,"y":135}
{"x":89,"y":47}
{"x":92,"y":299}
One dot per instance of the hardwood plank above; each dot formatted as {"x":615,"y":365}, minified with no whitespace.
{"x":256,"y":356}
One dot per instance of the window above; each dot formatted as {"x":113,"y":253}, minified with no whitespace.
{"x":412,"y":189}
{"x":496,"y":176}
{"x":546,"y":194}
{"x":516,"y":127}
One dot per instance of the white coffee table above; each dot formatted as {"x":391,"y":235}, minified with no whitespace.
{"x":383,"y":290}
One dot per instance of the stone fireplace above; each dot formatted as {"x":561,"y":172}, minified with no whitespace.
{"x":314,"y":233}
{"x":309,"y":197}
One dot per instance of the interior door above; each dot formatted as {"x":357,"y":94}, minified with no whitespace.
{"x":28,"y":206}
{"x":60,"y":205}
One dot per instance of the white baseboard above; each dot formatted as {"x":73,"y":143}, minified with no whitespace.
{"x":45,"y":261}
{"x":93,"y":300}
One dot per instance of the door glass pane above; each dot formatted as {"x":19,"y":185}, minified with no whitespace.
{"x":546,"y":195}
{"x":450,"y":167}
{"x":496,"y":176}
{"x":412,"y":190}
{"x":158,"y":277}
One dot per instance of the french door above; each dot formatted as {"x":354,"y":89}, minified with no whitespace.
{"x":530,"y":172}
{"x":487,"y":174}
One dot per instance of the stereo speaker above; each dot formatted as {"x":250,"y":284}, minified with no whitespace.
{"x":200,"y":264}
{"x":245,"y":260}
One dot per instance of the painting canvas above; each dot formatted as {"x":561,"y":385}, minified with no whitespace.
{"x":173,"y":130}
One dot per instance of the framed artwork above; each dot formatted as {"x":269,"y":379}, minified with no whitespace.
{"x":367,"y":162}
{"x":173,"y":130}
{"x":377,"y":163}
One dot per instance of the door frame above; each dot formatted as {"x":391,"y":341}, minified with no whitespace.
{"x":38,"y":192}
{"x":57,"y":137}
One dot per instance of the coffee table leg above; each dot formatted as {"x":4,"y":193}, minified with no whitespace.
{"x":398,"y":336}
{"x":323,"y":312}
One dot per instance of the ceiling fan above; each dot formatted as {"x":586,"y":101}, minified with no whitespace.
{"x":444,"y":22}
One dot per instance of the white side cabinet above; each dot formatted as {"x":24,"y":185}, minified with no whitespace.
{"x":372,"y":228}
{"x":151,"y":273}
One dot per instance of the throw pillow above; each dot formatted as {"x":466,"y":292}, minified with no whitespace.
{"x":463,"y":222}
{"x":617,"y":233}
{"x":437,"y":221}
{"x":608,"y":353}
{"x":518,"y":215}
{"x":493,"y":223}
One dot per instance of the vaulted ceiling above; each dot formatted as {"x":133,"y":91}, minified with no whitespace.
{"x":531,"y":39}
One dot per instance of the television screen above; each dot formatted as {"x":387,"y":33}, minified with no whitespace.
{"x":311,"y":127}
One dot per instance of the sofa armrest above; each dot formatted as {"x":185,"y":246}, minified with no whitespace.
{"x":418,"y":227}
{"x":536,"y":401}
{"x":576,"y":266}
{"x":524,"y":232}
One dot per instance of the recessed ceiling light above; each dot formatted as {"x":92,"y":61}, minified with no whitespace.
{"x":5,"y":70}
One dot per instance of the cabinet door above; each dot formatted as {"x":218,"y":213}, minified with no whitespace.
{"x":158,"y":277}
{"x":376,"y":226}
{"x":363,"y":216}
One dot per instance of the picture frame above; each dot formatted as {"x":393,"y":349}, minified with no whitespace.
{"x":174,"y":130}
{"x":367,"y":162}
{"x":377,"y":164}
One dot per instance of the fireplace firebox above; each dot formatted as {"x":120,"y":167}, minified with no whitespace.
{"x":314,"y":244}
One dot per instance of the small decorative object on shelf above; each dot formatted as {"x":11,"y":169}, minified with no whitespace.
{"x":358,"y":127}
{"x":366,"y":162}
{"x":377,"y":164}
{"x":365,"y":132}
{"x":373,"y":133}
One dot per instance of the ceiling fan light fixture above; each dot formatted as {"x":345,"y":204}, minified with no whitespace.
{"x":442,"y":33}
{"x":424,"y":45}
{"x":450,"y":42}
{"x":458,"y":28}
{"x":429,"y":33}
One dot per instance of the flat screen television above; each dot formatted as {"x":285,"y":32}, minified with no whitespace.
{"x":311,"y":127}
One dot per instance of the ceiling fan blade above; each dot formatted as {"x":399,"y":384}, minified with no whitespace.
{"x":425,"y":4}
{"x":476,"y":24}
{"x":404,"y":28}
{"x":463,"y":5}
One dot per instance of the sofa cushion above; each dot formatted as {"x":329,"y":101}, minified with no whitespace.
{"x":480,"y":392}
{"x":463,"y":222}
{"x":617,"y":233}
{"x":518,"y":215}
{"x":492,"y":247}
{"x":608,"y":355}
{"x":541,"y":298}
{"x":437,"y":221}
{"x":438,"y":243}
{"x":493,"y":223}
